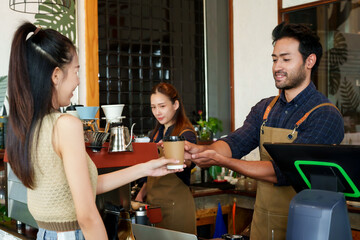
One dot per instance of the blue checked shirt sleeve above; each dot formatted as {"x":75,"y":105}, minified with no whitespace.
{"x":323,"y":126}
{"x":246,"y":138}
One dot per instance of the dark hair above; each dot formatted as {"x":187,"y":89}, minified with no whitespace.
{"x":30,"y":88}
{"x":309,"y":41}
{"x":181,"y":120}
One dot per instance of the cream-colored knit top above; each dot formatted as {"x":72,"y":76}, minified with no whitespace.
{"x":50,"y":202}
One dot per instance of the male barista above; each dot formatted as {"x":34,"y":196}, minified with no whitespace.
{"x":300,"y":114}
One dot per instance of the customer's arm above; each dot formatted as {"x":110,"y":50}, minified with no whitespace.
{"x":157,"y":167}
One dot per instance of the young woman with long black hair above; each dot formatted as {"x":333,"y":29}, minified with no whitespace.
{"x":46,"y":148}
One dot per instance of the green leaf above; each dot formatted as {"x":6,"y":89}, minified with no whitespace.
{"x":214,"y":171}
{"x":64,"y":22}
{"x":215,"y":125}
{"x":202,"y":123}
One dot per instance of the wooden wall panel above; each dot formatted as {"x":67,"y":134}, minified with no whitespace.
{"x":92,"y":55}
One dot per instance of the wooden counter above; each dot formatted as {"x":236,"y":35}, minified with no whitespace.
{"x":206,"y":202}
{"x":8,"y":230}
{"x":142,"y":152}
{"x":207,"y":199}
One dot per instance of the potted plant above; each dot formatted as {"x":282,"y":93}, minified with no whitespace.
{"x":208,"y":128}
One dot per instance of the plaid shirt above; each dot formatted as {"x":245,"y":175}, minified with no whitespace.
{"x":325,"y":125}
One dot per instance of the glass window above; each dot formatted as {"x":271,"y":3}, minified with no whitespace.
{"x":338,"y":77}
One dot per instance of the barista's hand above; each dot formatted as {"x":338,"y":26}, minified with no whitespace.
{"x":206,"y":158}
{"x":160,"y":147}
{"x":191,"y":149}
{"x":217,"y":153}
{"x":158,"y":167}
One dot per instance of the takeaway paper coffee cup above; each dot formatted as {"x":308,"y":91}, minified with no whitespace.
{"x":174,"y":148}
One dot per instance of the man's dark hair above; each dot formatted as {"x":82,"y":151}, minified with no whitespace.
{"x":309,"y":41}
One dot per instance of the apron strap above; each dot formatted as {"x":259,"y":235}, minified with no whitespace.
{"x":267,"y":111}
{"x":186,"y":130}
{"x":155,"y":136}
{"x":183,"y":131}
{"x":269,"y":107}
{"x":298,"y":123}
{"x":308,"y":113}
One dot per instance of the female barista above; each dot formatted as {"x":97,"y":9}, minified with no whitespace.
{"x":171,"y":192}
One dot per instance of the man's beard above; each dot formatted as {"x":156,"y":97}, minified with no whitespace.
{"x":295,"y":81}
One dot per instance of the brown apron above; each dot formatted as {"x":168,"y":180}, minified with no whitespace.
{"x":176,"y":202}
{"x":272,"y":202}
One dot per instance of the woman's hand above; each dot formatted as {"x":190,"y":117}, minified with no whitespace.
{"x":158,"y":167}
{"x":160,"y":144}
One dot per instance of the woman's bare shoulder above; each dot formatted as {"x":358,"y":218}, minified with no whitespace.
{"x":68,"y":123}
